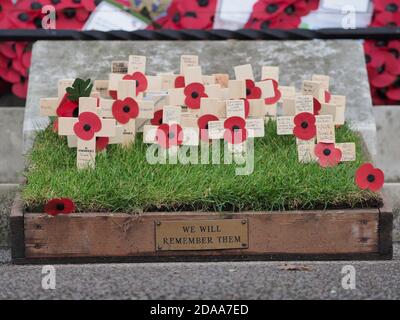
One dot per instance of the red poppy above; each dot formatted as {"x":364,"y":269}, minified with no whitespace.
{"x":179,"y":82}
{"x":235,"y":130}
{"x":194,"y":92}
{"x":102,"y":143}
{"x":202,"y":122}
{"x":67,"y":108}
{"x":316,"y":106}
{"x":393,"y":92}
{"x":197,"y":14}
{"x":328,"y":155}
{"x":169,"y":135}
{"x":157,"y":118}
{"x":20,"y":89}
{"x":305,"y":128}
{"x":113,"y":94}
{"x":384,"y":74}
{"x":124,"y":110}
{"x":386,"y":19}
{"x":387,"y":5}
{"x":252,"y":92}
{"x":141,"y":81}
{"x":327,"y":96}
{"x":277,"y":93}
{"x":368,"y":177}
{"x":88,"y":124}
{"x":59,"y":206}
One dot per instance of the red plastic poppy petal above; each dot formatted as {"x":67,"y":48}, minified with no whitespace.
{"x":234,"y":121}
{"x":393,"y":94}
{"x":361,"y":175}
{"x":102,"y":143}
{"x":20,"y":89}
{"x":379,"y":180}
{"x":157,"y":118}
{"x":92,"y":119}
{"x":194,"y":87}
{"x":179,"y":82}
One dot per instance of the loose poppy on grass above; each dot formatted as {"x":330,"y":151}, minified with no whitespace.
{"x":88,"y":124}
{"x":141,"y":81}
{"x":368,"y":177}
{"x":169,"y":135}
{"x":235,"y":130}
{"x":59,"y":206}
{"x":305,"y":128}
{"x":328,"y":155}
{"x":252,"y":91}
{"x":125,"y":110}
{"x":194,"y":92}
{"x":157,"y":118}
{"x":202,"y":122}
{"x":179,"y":82}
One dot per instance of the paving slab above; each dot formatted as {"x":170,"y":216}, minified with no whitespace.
{"x":343,"y":60}
{"x":233,"y":280}
{"x":11,"y":159}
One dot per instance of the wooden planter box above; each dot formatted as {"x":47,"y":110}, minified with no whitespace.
{"x":352,"y":234}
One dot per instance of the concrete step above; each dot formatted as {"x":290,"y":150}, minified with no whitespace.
{"x":7,"y":194}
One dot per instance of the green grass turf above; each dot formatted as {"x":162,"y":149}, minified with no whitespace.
{"x":124,"y":181}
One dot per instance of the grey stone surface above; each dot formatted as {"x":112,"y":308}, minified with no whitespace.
{"x":392,"y":190}
{"x":7,"y":194}
{"x":298,"y":60}
{"x":388,"y":143}
{"x":225,"y":280}
{"x":11,"y":160}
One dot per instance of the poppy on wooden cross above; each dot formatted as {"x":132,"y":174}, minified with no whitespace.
{"x":86,"y":127}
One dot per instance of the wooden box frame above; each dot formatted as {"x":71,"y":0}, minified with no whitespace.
{"x":350,"y":234}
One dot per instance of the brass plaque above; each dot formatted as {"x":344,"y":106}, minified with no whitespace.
{"x":202,"y":234}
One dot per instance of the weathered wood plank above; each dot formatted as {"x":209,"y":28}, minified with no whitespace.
{"x":114,"y":235}
{"x":17,"y":229}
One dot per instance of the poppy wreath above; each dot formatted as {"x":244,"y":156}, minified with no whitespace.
{"x":125,"y":110}
{"x":304,"y":126}
{"x":193,"y":93}
{"x":235,"y":130}
{"x":279,"y":14}
{"x":187,"y":14}
{"x":15,"y":57}
{"x":368,"y":177}
{"x":383,"y":57}
{"x":88,"y":124}
{"x":202,"y":122}
{"x":169,"y":135}
{"x":141,"y":81}
{"x":328,"y":155}
{"x":59,"y":206}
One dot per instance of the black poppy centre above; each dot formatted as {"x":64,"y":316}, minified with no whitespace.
{"x":137,"y":83}
{"x":381,"y":69}
{"x":327,"y":152}
{"x":202,"y":3}
{"x":60,"y":206}
{"x":126,"y":109}
{"x":248,"y":91}
{"x":271,"y":8}
{"x":87,"y":127}
{"x":235,"y":128}
{"x":371,"y":178}
{"x":75,"y":113}
{"x":392,"y":7}
{"x":195,"y":94}
{"x":304,"y":124}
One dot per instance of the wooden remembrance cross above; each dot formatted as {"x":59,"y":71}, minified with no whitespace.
{"x":86,"y":147}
